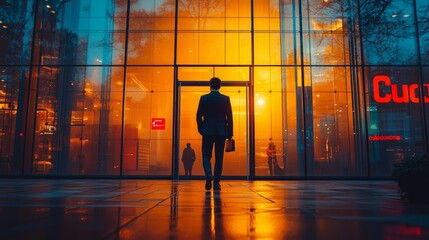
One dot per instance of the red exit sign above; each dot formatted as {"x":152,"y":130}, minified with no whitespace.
{"x":158,"y":123}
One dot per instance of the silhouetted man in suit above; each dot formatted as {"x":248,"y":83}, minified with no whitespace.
{"x":214,"y":120}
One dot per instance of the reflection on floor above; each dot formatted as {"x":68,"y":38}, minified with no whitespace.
{"x":163,"y":209}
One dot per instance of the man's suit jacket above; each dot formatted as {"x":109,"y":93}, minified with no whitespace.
{"x":214,"y":115}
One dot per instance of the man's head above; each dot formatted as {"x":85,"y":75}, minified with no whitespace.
{"x":215,"y":83}
{"x":188,"y":144}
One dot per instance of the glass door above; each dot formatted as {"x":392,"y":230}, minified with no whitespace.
{"x":236,"y":163}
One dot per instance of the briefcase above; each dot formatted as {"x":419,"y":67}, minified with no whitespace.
{"x":230,"y":145}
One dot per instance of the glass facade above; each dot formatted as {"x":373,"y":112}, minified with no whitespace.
{"x":110,"y":87}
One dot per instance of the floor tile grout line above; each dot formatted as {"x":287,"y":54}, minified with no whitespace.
{"x":262,"y":196}
{"x":106,"y":198}
{"x":138,"y":216}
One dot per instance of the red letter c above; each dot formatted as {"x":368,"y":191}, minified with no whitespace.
{"x":376,"y":89}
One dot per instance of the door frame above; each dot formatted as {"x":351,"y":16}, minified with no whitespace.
{"x":249,"y":175}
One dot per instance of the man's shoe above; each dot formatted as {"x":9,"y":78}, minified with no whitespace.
{"x":216,"y":186}
{"x":208,"y":183}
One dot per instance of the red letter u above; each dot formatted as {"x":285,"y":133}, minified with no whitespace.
{"x":395,"y":94}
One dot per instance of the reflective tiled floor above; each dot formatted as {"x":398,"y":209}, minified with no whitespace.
{"x":163,"y":209}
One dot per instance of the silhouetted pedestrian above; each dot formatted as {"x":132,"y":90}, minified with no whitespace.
{"x":188,"y":159}
{"x":271,"y":154}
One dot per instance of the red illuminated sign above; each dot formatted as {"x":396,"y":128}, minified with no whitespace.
{"x":384,"y":138}
{"x":158,"y":123}
{"x":409,"y":92}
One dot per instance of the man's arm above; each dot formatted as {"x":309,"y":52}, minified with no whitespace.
{"x":200,"y":115}
{"x":229,"y":121}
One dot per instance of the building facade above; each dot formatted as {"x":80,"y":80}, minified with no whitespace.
{"x":110,"y":87}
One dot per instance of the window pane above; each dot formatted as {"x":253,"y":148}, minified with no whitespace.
{"x":326,"y":28}
{"x":195,"y":73}
{"x":188,"y":23}
{"x":423,"y":20}
{"x":148,"y":121}
{"x":211,"y":48}
{"x":16,"y":27}
{"x":278,"y":116}
{"x":78,"y":121}
{"x":235,"y":163}
{"x":151,"y":48}
{"x":201,"y":48}
{"x":232,"y":73}
{"x":205,"y":73}
{"x":426,"y":94}
{"x":290,"y":34}
{"x":389,"y":32}
{"x":262,"y":8}
{"x":148,"y":23}
{"x":329,"y":128}
{"x":83,"y":32}
{"x":238,"y":47}
{"x":151,"y":37}
{"x":189,"y":98}
{"x":394,"y":117}
{"x":11,"y":118}
{"x":267,"y":48}
{"x":210,"y":32}
{"x":153,"y":8}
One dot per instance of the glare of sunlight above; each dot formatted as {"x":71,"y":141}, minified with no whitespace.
{"x":138,"y":83}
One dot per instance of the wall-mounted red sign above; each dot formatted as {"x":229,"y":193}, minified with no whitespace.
{"x":158,"y":123}
{"x":407,"y":93}
{"x":384,"y":138}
